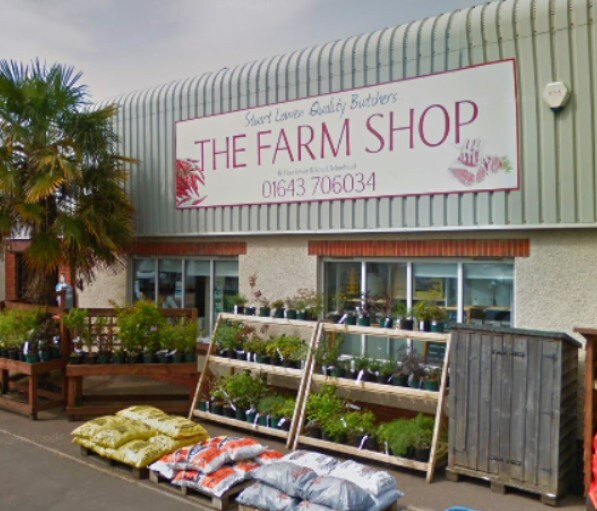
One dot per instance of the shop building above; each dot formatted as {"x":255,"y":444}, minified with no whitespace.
{"x":450,"y":159}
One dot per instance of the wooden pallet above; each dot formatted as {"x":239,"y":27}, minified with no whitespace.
{"x":197,"y":496}
{"x":137,"y":473}
{"x":391,"y":507}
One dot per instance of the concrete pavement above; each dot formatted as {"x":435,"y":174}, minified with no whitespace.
{"x":42,"y":470}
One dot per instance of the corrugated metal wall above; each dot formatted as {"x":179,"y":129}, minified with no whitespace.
{"x":550,"y":39}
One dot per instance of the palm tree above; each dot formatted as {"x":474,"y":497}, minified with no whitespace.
{"x":61,"y":177}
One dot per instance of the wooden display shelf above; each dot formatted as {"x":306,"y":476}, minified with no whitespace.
{"x":364,"y":453}
{"x":32,"y":405}
{"x":254,"y":366}
{"x":234,"y":364}
{"x":81,"y":405}
{"x":402,"y":397}
{"x":230,"y":421}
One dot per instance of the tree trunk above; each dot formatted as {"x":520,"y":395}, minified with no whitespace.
{"x":40,"y":289}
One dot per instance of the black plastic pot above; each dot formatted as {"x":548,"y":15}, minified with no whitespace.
{"x":118,"y":358}
{"x":228,"y":412}
{"x":425,"y":326}
{"x":291,"y":314}
{"x":148,"y":358}
{"x":364,"y":321}
{"x":278,"y":313}
{"x":239,"y":309}
{"x":350,"y":320}
{"x":250,"y":417}
{"x":400,"y":380}
{"x":216,"y":408}
{"x":203,"y":406}
{"x":338,"y":372}
{"x":250,"y":311}
{"x":406,"y":324}
{"x":264,"y":312}
{"x":262,"y":359}
{"x":190,"y":357}
{"x":240,"y":415}
{"x":422,"y":454}
{"x":314,"y":432}
{"x":103,"y":358}
{"x":387,"y":322}
{"x":302,"y":315}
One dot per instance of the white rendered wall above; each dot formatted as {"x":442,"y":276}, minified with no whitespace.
{"x":282,"y":265}
{"x":108,"y":286}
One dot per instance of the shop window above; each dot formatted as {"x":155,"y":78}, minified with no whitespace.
{"x":175,"y":283}
{"x":488,"y":293}
{"x":144,"y":273}
{"x":170,"y":283}
{"x":486,"y":297}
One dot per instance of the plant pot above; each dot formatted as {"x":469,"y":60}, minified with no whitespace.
{"x":438,"y":326}
{"x":148,"y":358}
{"x":372,"y":444}
{"x":239,"y":309}
{"x":90,"y":358}
{"x":314,"y":432}
{"x":163,"y":358}
{"x":291,"y":314}
{"x":4,"y":353}
{"x":387,"y":322}
{"x":262,"y":359}
{"x":289,"y":363}
{"x":406,"y":324}
{"x":275,"y":360}
{"x":240,"y":355}
{"x":250,"y":417}
{"x":21,"y":356}
{"x":302,"y":315}
{"x":422,"y":453}
{"x":231,"y":353}
{"x":118,"y":358}
{"x":425,"y":326}
{"x":262,"y":421}
{"x":400,"y":380}
{"x":286,"y":425}
{"x":273,"y":422}
{"x":179,"y":358}
{"x":350,"y":320}
{"x":240,"y":415}
{"x":216,"y":408}
{"x":250,"y":311}
{"x":414,"y":382}
{"x":204,"y":406}
{"x":278,"y":313}
{"x":55,"y":352}
{"x":190,"y":358}
{"x":264,"y":312}
{"x":32,"y":358}
{"x":13,"y":354}
{"x":340,"y":440}
{"x":103,"y":358}
{"x":432,"y":385}
{"x":228,"y":412}
{"x":45,"y":355}
{"x":364,"y":321}
{"x":382,"y":378}
{"x":338,"y":372}
{"x":133,"y":358}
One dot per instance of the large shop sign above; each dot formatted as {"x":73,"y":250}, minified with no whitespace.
{"x":451,"y":132}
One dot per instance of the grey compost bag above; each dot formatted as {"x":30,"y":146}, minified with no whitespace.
{"x":262,"y":496}
{"x":338,"y":494}
{"x":285,"y":476}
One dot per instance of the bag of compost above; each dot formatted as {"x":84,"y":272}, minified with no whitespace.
{"x":285,"y":476}
{"x":338,"y":494}
{"x":138,"y":453}
{"x":262,"y":496}
{"x":141,"y":413}
{"x":269,"y":457}
{"x":117,"y":435}
{"x":374,"y":481}
{"x":241,"y":448}
{"x":321,"y":463}
{"x":90,"y":428}
{"x":177,"y":427}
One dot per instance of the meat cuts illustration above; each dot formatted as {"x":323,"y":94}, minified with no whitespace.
{"x":190,"y":180}
{"x":473,"y":166}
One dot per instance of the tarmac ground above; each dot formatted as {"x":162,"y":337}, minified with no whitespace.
{"x":43,"y":470}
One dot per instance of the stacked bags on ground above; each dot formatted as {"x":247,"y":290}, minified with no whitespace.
{"x":215,"y":465}
{"x":304,"y":480}
{"x":139,"y":435}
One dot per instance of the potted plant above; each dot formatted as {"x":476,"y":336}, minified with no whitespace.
{"x":432,"y":378}
{"x":258,"y":298}
{"x":388,"y":309}
{"x":256,"y":350}
{"x":291,"y":349}
{"x":291,"y":307}
{"x":397,"y":437}
{"x":230,"y":338}
{"x":360,"y":426}
{"x":403,"y":314}
{"x":282,"y":412}
{"x":278,"y":308}
{"x":77,"y":321}
{"x":310,"y":304}
{"x":139,"y":329}
{"x":422,"y":436}
{"x":328,"y":350}
{"x":422,"y":311}
{"x":367,"y":310}
{"x":334,"y":429}
{"x":386,"y":370}
{"x":238,"y":303}
{"x":361,"y":369}
{"x":322,"y":407}
{"x":439,"y":316}
{"x":218,"y":397}
{"x":186,"y":340}
{"x":244,"y":392}
{"x":266,"y":407}
{"x":410,"y":363}
{"x":104,"y":340}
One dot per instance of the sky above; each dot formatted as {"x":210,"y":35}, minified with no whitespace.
{"x":126,"y":45}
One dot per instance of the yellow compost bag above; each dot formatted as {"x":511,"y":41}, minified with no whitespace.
{"x":88,"y":444}
{"x":141,"y":413}
{"x":115,"y":436}
{"x":138,"y":453}
{"x":167,"y":444}
{"x":90,"y":428}
{"x":178,"y":427}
